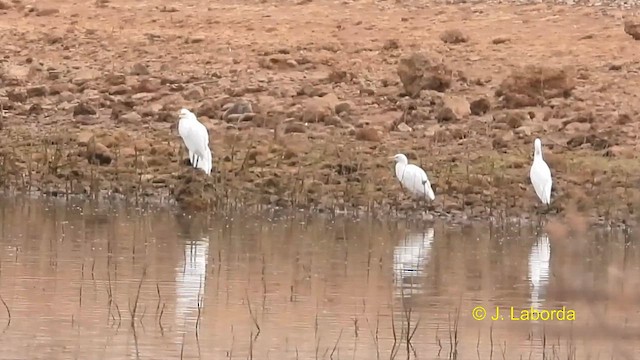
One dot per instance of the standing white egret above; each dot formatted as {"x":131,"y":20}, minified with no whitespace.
{"x":540,"y":174}
{"x":196,"y":138}
{"x":413,"y":178}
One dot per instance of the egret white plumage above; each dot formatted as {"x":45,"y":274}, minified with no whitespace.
{"x":540,"y":174}
{"x":196,"y":138}
{"x":413,"y":178}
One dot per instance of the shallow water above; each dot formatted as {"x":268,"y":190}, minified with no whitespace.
{"x":304,"y":287}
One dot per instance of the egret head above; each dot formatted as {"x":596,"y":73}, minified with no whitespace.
{"x":184,"y":113}
{"x":401,"y":159}
{"x":537,"y":147}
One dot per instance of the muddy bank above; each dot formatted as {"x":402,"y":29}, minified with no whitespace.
{"x":299,"y":120}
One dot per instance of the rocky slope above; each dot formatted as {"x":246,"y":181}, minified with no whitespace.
{"x":305,"y":104}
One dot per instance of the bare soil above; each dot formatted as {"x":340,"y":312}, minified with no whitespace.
{"x":305,"y":102}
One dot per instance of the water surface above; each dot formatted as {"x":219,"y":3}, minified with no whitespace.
{"x":72,"y":276}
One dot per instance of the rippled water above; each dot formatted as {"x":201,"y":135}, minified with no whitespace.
{"x":242,"y":286}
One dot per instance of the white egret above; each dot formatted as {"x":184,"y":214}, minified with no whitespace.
{"x":413,"y":178}
{"x":540,"y":174}
{"x":196,"y":138}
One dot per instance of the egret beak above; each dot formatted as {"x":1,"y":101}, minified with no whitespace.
{"x":391,"y":157}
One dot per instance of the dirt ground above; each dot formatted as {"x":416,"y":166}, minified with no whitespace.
{"x":306,"y":101}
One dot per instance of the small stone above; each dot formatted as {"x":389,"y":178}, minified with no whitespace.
{"x":500,"y":40}
{"x":130,"y":118}
{"x":480,"y":106}
{"x":47,"y":12}
{"x":97,"y":153}
{"x":403,"y":127}
{"x":4,"y":5}
{"x":295,"y":127}
{"x":84,"y":137}
{"x":194,"y":93}
{"x":84,"y":109}
{"x":453,"y":36}
{"x":343,"y":107}
{"x":119,"y":90}
{"x":237,"y":108}
{"x":368,"y":134}
{"x":391,"y":44}
{"x":196,"y":39}
{"x":85,"y":75}
{"x":37,"y":91}
{"x":148,"y":86}
{"x":139,"y":69}
{"x":632,"y":28}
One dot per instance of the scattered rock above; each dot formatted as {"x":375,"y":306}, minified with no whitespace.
{"x":343,"y":107}
{"x":295,"y":127}
{"x":35,"y":109}
{"x":402,"y":127}
{"x":116,"y":79}
{"x":532,"y":85}
{"x":311,"y":91}
{"x":632,"y":28}
{"x":97,"y":153}
{"x":624,"y":119}
{"x":458,"y":105}
{"x":480,"y":106}
{"x":417,"y":72}
{"x":237,"y":108}
{"x":196,"y":39}
{"x":17,"y":95}
{"x":5,"y":5}
{"x":194,"y":93}
{"x":139,"y":69}
{"x":84,"y":108}
{"x":119,"y":90}
{"x":595,"y":141}
{"x":277,"y":62}
{"x":130,"y":118}
{"x":500,"y":40}
{"x":47,"y":12}
{"x":338,"y":76}
{"x":368,"y":134}
{"x":391,"y":44}
{"x":37,"y":91}
{"x":317,"y":109}
{"x":446,"y":114}
{"x":453,"y":36}
{"x":148,"y":86}
{"x":513,"y":119}
{"x":84,"y":137}
{"x":85,"y":75}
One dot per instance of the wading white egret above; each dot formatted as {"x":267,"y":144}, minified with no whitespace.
{"x":196,"y":138}
{"x":540,"y":174}
{"x":413,"y":178}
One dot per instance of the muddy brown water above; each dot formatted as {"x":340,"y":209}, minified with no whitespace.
{"x":304,"y":287}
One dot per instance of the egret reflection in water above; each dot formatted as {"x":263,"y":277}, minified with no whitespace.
{"x":539,"y":269}
{"x":409,"y":261}
{"x":190,"y":279}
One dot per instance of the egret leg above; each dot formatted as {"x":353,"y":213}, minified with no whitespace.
{"x":197,"y":160}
